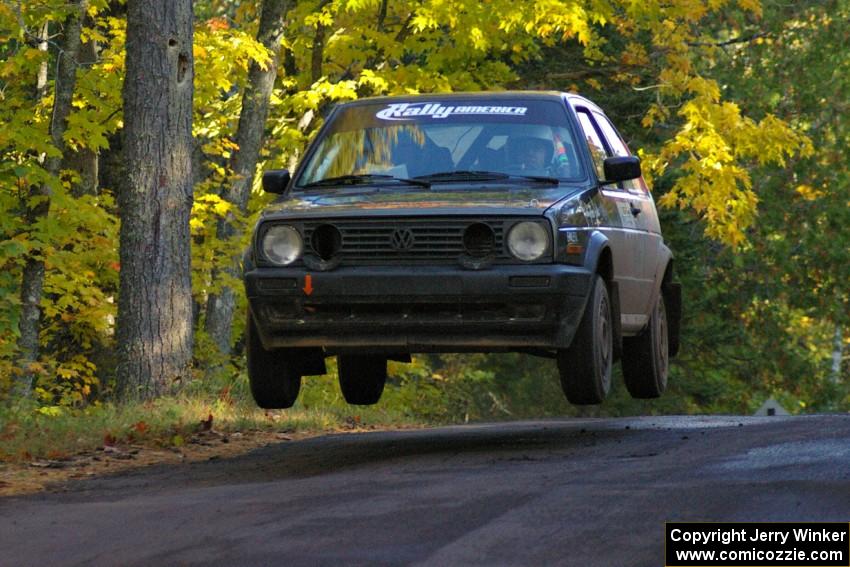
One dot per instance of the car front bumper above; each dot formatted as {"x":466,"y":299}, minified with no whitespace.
{"x":418,"y":308}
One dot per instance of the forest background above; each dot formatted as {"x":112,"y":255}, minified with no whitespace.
{"x":738,"y":109}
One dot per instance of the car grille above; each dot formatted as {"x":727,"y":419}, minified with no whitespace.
{"x":416,"y":240}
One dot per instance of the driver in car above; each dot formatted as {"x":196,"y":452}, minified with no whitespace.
{"x":530,"y":154}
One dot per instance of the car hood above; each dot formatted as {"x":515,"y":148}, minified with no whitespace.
{"x":385,"y":201}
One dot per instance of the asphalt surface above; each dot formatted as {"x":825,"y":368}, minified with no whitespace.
{"x":568,"y":492}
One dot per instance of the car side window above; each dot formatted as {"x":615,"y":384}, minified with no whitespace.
{"x":615,"y":142}
{"x":594,"y":142}
{"x":611,"y":136}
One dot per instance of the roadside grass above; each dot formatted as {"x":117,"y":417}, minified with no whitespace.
{"x":29,"y":432}
{"x":416,"y":395}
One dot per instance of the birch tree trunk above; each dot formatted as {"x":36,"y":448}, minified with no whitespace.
{"x":154,"y":326}
{"x":837,"y":354}
{"x":38,"y":207}
{"x":249,"y":138}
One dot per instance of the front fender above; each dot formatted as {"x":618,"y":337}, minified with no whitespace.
{"x":598,"y":259}
{"x":598,"y":249}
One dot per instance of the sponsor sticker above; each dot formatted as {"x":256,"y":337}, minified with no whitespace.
{"x":411,"y":110}
{"x":627,"y":219}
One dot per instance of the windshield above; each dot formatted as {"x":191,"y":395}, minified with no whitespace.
{"x":431,"y":140}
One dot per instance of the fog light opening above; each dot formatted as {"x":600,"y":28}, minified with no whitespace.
{"x":326,"y":241}
{"x":479,"y":240}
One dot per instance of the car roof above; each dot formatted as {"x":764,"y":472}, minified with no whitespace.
{"x":461,"y":96}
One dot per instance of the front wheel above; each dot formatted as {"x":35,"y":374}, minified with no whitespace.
{"x":362,"y":378}
{"x":272,"y":374}
{"x":585,"y":367}
{"x":646,"y":356}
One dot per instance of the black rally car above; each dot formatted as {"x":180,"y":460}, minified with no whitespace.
{"x":486,"y":222}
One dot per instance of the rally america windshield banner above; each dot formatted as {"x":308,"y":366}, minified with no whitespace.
{"x":475,"y":111}
{"x":410,"y":111}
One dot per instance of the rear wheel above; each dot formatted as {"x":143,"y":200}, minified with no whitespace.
{"x":362,"y":378}
{"x":646,"y":356}
{"x":272,"y":374}
{"x":585,"y":367}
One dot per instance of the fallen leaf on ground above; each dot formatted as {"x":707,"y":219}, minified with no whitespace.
{"x":49,"y":464}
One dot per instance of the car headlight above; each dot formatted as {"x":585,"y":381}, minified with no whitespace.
{"x":528,"y":241}
{"x":282,"y":244}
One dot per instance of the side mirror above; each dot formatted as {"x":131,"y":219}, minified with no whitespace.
{"x":621,"y":168}
{"x":275,"y":181}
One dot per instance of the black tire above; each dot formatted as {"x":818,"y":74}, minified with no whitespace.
{"x":272,"y":374}
{"x":362,"y":378}
{"x":586,"y":366}
{"x":646,"y":357}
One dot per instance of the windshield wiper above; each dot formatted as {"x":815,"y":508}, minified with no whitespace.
{"x":463,"y":175}
{"x":474,"y":175}
{"x":364,"y":179}
{"x":539,"y":178}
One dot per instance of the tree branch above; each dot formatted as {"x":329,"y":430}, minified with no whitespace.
{"x":382,"y":15}
{"x":734,"y":40}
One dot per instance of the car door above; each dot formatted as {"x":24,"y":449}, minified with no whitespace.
{"x":621,"y":229}
{"x":645,"y":216}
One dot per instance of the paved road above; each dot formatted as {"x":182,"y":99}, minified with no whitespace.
{"x":571,"y":492}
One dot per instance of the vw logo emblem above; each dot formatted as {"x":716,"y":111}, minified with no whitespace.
{"x":402,"y":239}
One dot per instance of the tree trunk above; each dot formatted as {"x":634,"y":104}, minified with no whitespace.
{"x":85,"y":161}
{"x":837,"y":354}
{"x":317,"y":55}
{"x":154,"y":327}
{"x":32,"y":279}
{"x":249,"y":138}
{"x":41,"y":80}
